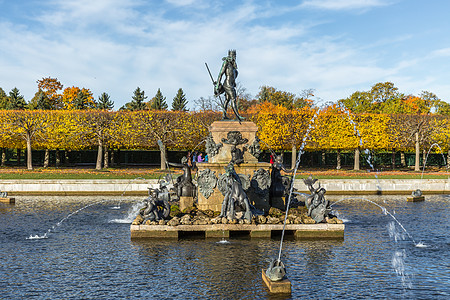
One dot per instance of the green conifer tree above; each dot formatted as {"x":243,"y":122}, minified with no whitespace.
{"x":138,"y":102}
{"x":179,"y":102}
{"x":3,"y":99}
{"x":104,"y":102}
{"x":158,"y":102}
{"x":42,"y":102}
{"x":16,"y":100}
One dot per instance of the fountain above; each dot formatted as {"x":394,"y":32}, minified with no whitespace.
{"x":5,"y":199}
{"x":235,"y":194}
{"x":417,"y":195}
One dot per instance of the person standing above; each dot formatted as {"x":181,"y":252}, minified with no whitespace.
{"x":200,"y":158}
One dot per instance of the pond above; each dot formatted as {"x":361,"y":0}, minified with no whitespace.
{"x":87,"y":253}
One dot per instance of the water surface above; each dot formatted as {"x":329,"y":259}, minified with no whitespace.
{"x":89,"y":254}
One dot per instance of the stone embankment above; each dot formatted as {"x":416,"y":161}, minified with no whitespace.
{"x":208,"y":224}
{"x":135,"y":187}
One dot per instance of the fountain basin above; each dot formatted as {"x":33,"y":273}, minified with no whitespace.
{"x":299,"y":231}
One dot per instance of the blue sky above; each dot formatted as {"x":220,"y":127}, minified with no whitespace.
{"x":333,"y":46}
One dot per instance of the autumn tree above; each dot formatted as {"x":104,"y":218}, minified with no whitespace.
{"x":155,"y":126}
{"x":158,"y":102}
{"x":97,"y":128}
{"x":334,"y":131}
{"x":76,"y":98}
{"x":179,"y":102}
{"x":280,"y":128}
{"x":51,"y":87}
{"x":27,"y":125}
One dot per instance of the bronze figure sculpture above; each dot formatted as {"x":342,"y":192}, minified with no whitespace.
{"x":228,"y":86}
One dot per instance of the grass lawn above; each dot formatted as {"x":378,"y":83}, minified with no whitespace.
{"x":154,"y":173}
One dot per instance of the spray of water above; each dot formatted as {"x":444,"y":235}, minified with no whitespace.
{"x":46,"y":234}
{"x":124,"y":191}
{"x":385,"y":212}
{"x":131,"y":214}
{"x":300,"y":152}
{"x":398,"y":264}
{"x":361,"y":143}
{"x":428,"y":153}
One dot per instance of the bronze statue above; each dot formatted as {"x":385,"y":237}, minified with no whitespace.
{"x":156,"y":207}
{"x":318,"y":207}
{"x":184,"y":185}
{"x":279,"y":184}
{"x":228,"y":86}
{"x":235,"y":198}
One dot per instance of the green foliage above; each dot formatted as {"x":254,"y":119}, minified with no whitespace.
{"x":82,"y":101}
{"x":40,"y":101}
{"x":158,"y":102}
{"x":358,"y":102}
{"x":104,"y":102}
{"x":138,"y":101}
{"x":285,"y":99}
{"x":15,"y":100}
{"x":179,"y":102}
{"x":3,"y":99}
{"x":270,"y":94}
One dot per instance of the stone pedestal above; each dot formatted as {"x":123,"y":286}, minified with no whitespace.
{"x":8,"y":200}
{"x":220,"y":129}
{"x":415,"y":198}
{"x":278,"y":287}
{"x":186,"y":202}
{"x":220,"y":133}
{"x":214,"y":201}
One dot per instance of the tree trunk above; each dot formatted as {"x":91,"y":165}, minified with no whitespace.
{"x":448,"y":159}
{"x":294,"y":157}
{"x":402,"y":159}
{"x":29,"y":157}
{"x":356,"y":163}
{"x":112,"y":158}
{"x":66,"y":157}
{"x":46,"y":158}
{"x":19,"y":156}
{"x":417,"y":162}
{"x":106,"y":159}
{"x":57,"y":158}
{"x":3,"y":157}
{"x":338,"y":158}
{"x":393,"y":159}
{"x":163,"y":155}
{"x":98,"y":165}
{"x":424,"y":158}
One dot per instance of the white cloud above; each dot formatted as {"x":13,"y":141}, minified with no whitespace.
{"x":115,"y":46}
